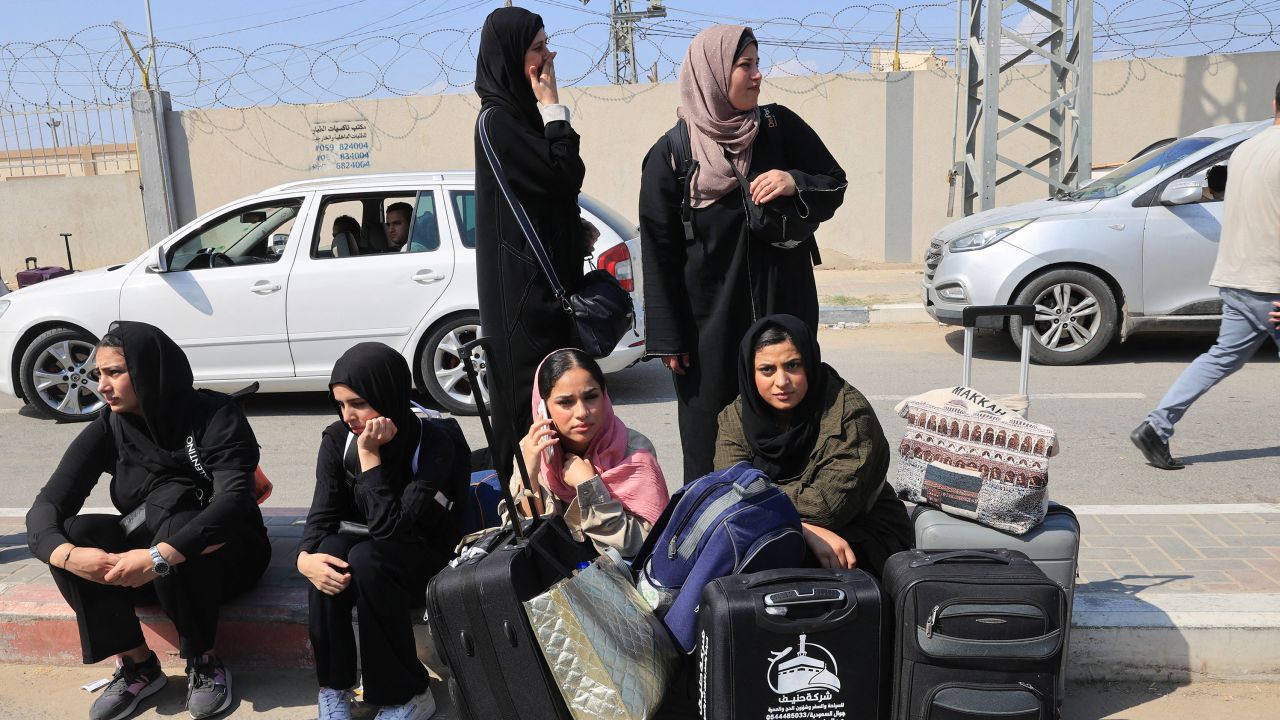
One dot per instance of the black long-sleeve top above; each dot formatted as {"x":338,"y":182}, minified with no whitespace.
{"x":395,"y":502}
{"x":227,"y":448}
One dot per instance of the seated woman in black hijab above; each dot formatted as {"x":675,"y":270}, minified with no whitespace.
{"x":389,"y":476}
{"x":182,"y":465}
{"x":819,"y":440}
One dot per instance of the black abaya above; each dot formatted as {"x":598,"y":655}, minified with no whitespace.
{"x":701,"y":297}
{"x":518,"y":311}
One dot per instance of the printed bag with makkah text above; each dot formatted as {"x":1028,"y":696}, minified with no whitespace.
{"x":972,"y":457}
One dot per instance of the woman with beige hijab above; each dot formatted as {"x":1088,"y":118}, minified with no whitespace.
{"x":729,"y":200}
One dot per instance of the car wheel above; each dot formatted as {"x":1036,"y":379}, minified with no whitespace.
{"x":58,"y":375}
{"x":440,"y":363}
{"x":1076,"y":317}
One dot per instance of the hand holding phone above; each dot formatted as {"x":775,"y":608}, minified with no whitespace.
{"x":548,"y":452}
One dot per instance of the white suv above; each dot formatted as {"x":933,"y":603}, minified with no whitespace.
{"x":266,"y":289}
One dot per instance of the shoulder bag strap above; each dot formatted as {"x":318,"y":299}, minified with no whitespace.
{"x":517,"y":209}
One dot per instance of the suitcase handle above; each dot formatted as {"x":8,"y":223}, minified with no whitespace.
{"x":31,"y":263}
{"x":784,"y":599}
{"x":962,"y":555}
{"x":969,"y":317}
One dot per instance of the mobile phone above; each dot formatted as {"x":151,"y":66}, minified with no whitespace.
{"x":548,"y":452}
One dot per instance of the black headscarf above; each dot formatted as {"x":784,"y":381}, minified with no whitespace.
{"x":781,"y":449}
{"x":381,"y":376}
{"x":161,"y":378}
{"x":500,"y":79}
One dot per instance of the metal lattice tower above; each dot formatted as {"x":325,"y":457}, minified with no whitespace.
{"x":1068,"y":49}
{"x":622,"y":37}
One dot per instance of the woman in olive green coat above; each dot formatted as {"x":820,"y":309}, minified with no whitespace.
{"x":819,"y":441}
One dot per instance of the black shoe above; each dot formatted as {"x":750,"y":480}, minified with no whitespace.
{"x":208,"y":687}
{"x":131,"y":683}
{"x":1155,"y":450}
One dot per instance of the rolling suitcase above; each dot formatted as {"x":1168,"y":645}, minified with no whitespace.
{"x":978,"y":634}
{"x":796,"y":644}
{"x":476,"y":612}
{"x":38,"y":274}
{"x":1054,"y":545}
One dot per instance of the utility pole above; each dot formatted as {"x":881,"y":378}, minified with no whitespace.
{"x":622,"y":37}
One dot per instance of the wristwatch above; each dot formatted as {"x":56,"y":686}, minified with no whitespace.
{"x":158,"y":564}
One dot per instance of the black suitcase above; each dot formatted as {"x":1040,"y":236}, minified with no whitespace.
{"x":803,"y":643}
{"x":477,"y":616}
{"x":979,"y":634}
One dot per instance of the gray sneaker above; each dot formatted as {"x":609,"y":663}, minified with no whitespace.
{"x":208,"y":687}
{"x":129,"y":685}
{"x":334,"y":704}
{"x":419,"y":707}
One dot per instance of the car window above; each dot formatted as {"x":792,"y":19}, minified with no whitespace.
{"x":1141,"y":169}
{"x":246,"y":236}
{"x":425,"y":234}
{"x":1212,"y":171}
{"x":360,"y":225}
{"x":464,"y":211}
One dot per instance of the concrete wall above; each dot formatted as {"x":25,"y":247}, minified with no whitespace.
{"x":103,"y":213}
{"x":891,"y":131}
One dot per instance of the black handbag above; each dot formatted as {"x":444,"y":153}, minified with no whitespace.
{"x":601,"y":311}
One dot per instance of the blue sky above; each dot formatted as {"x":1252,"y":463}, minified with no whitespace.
{"x":241,"y":52}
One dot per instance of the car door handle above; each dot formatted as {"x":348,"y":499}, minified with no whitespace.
{"x":426,"y":277}
{"x":264,"y":287}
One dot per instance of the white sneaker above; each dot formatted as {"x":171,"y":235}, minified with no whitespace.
{"x":335,"y":704}
{"x":419,"y":707}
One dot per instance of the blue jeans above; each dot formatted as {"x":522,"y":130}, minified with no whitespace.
{"x":1245,"y":326}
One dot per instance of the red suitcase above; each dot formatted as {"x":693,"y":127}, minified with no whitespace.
{"x":33,"y":274}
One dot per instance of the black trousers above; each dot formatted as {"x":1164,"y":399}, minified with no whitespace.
{"x":698,"y":429}
{"x":190,"y":595}
{"x":388,"y":579}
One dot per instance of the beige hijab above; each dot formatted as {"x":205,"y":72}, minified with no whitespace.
{"x":714,"y":124}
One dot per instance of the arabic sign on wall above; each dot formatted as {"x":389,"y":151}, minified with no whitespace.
{"x":341,"y":145}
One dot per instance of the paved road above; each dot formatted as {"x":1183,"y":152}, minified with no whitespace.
{"x":1232,"y":436}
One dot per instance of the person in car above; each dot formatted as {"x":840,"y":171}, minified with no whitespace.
{"x":190,"y":534}
{"x":399,"y":218}
{"x":530,"y":134}
{"x":817,"y":439}
{"x":376,"y":533}
{"x":345,"y":225}
{"x":584,"y":462}
{"x":707,"y":274}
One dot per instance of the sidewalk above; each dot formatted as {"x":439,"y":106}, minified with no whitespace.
{"x":871,"y":293}
{"x":1165,"y":594}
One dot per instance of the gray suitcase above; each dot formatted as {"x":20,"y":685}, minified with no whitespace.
{"x":1054,"y":545}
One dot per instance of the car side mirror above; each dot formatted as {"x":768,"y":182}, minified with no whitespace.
{"x":161,"y":261}
{"x":278,"y":241}
{"x":1183,"y":191}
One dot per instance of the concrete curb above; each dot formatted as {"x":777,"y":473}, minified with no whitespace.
{"x":899,"y":313}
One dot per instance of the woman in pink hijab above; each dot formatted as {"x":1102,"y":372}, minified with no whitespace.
{"x":584,"y":462}
{"x":729,"y":201}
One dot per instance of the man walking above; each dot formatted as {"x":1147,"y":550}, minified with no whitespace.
{"x":1247,"y":275}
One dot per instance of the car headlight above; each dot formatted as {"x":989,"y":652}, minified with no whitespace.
{"x":986,"y":236}
{"x":4,"y":305}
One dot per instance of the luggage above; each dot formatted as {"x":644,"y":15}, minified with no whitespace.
{"x":484,"y":496}
{"x":476,"y":613}
{"x":979,"y":634}
{"x":974,"y":456}
{"x":1054,"y":546}
{"x":34,"y":274}
{"x":729,"y":522}
{"x":804,"y":643}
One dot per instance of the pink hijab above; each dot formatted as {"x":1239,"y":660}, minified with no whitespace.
{"x":715,"y":125}
{"x":635,"y":479}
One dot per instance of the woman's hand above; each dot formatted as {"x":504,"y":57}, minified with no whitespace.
{"x":832,"y":550}
{"x":90,"y":563}
{"x":772,"y":184}
{"x":577,"y":470}
{"x":676,"y":363}
{"x":590,"y":234}
{"x":543,"y":80}
{"x":325,"y":572}
{"x":133,"y":569}
{"x":1275,"y":316}
{"x":377,"y":432}
{"x":541,"y":436}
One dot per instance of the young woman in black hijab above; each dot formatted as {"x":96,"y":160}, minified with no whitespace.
{"x":538,"y":150}
{"x":181,"y":465}
{"x":390,"y":477}
{"x":818,"y":439}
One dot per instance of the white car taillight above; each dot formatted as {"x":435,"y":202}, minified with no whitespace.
{"x":617,"y":260}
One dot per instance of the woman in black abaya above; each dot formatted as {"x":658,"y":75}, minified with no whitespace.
{"x":530,"y":133}
{"x":702,"y":294}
